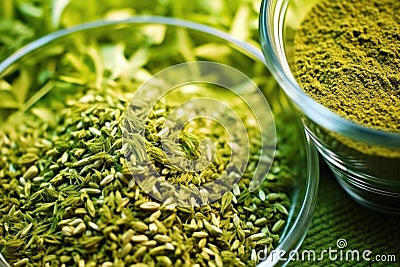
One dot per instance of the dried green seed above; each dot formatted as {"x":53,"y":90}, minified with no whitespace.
{"x":257,"y":236}
{"x":202,"y":243}
{"x":205,"y":256}
{"x":153,"y":217}
{"x":164,"y":261}
{"x":281,"y":208}
{"x":153,"y":228}
{"x":150,"y":206}
{"x":150,"y":243}
{"x":126,"y":249}
{"x":169,"y":246}
{"x":80,"y":211}
{"x":200,"y":234}
{"x":90,"y":208}
{"x":48,"y":258}
{"x":67,"y":230}
{"x":106,"y":180}
{"x":80,"y":228}
{"x":162,"y":238}
{"x":157,"y":251}
{"x":75,"y":222}
{"x":65,"y":258}
{"x":31,"y":173}
{"x":139,"y":238}
{"x":139,"y":265}
{"x":208,"y":251}
{"x":235,"y":245}
{"x":26,"y":230}
{"x":261,"y":222}
{"x":140,"y":253}
{"x":273,"y":196}
{"x":113,"y":237}
{"x":107,"y":264}
{"x":218,"y":261}
{"x":64,"y":157}
{"x":216,"y":229}
{"x":126,"y":237}
{"x":161,"y":229}
{"x":28,"y":158}
{"x":278,"y":226}
{"x":90,"y":191}
{"x":57,"y":180}
{"x":94,"y":131}
{"x":91,"y":242}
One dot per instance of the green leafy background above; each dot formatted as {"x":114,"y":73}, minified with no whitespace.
{"x":23,"y":21}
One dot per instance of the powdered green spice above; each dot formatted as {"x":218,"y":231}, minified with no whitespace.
{"x":347,"y":57}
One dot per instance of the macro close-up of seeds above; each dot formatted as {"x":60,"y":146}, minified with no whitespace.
{"x":93,"y":173}
{"x":67,"y":197}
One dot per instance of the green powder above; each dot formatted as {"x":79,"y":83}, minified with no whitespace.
{"x":348,"y":59}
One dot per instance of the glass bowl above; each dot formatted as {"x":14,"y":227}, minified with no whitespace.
{"x":365,"y":161}
{"x":62,"y":63}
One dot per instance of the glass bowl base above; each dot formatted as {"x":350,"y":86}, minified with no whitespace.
{"x":372,"y":192}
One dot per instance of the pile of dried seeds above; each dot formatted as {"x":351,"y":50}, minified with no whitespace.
{"x":67,"y":197}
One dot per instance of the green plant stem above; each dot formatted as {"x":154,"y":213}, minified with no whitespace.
{"x":7,"y":9}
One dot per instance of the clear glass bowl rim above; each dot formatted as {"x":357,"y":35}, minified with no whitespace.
{"x":274,"y":10}
{"x":294,"y":235}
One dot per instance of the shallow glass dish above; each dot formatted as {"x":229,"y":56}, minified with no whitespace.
{"x":168,"y":41}
{"x":365,"y":161}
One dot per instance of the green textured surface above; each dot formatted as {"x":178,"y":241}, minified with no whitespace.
{"x":336,"y":217}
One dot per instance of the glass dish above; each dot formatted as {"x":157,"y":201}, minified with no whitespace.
{"x":365,"y":161}
{"x":185,"y":40}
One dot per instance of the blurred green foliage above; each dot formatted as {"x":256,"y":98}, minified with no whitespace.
{"x":22,"y":21}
